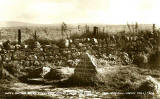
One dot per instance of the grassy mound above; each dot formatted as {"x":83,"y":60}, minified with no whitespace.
{"x":75,"y":82}
{"x":124,"y":80}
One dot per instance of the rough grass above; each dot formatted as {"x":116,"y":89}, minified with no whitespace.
{"x":123,"y":80}
{"x":126,"y":79}
{"x":25,"y":97}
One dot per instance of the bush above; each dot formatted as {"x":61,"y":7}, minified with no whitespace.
{"x":154,"y":60}
{"x":54,"y":74}
{"x":45,"y":42}
{"x":142,"y":92}
{"x":13,"y":68}
{"x":74,"y":36}
{"x":30,"y":42}
{"x":41,"y":41}
{"x":146,"y":86}
{"x":126,"y":80}
{"x":141,"y":60}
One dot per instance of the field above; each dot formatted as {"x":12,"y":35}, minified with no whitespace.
{"x":115,"y":63}
{"x":53,"y":32}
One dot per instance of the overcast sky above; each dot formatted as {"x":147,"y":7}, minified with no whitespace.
{"x":81,"y":11}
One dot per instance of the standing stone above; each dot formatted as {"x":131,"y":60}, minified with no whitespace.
{"x":154,"y":26}
{"x":95,"y":31}
{"x":19,"y":36}
{"x":35,"y":35}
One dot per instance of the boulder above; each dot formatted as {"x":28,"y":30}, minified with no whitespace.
{"x":95,"y":40}
{"x":35,"y":73}
{"x":66,"y":43}
{"x":7,"y":45}
{"x":125,"y":58}
{"x":45,"y":70}
{"x":58,"y":73}
{"x":37,"y":44}
{"x":54,"y":46}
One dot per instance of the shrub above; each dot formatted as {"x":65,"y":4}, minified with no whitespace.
{"x":146,"y":86}
{"x":154,"y":60}
{"x":141,"y":60}
{"x":30,"y":42}
{"x":13,"y":68}
{"x":73,"y":36}
{"x":126,"y":80}
{"x":142,"y":92}
{"x":54,"y":74}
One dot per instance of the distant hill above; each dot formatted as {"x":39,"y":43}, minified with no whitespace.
{"x":108,"y":27}
{"x":16,"y":23}
{"x":22,"y":24}
{"x":9,"y":29}
{"x":13,"y":24}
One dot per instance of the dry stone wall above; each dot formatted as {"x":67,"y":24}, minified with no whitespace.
{"x":58,"y":57}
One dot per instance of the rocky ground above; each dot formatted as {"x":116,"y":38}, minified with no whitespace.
{"x":49,"y":91}
{"x":21,"y":90}
{"x":122,"y":65}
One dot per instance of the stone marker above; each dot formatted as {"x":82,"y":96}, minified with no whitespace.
{"x":19,"y":36}
{"x":86,"y":69}
{"x":95,"y":31}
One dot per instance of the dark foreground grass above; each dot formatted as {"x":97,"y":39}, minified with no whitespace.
{"x":25,"y":97}
{"x":125,"y":80}
{"x":75,"y":82}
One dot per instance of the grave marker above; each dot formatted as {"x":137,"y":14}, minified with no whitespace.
{"x":86,"y":69}
{"x":95,"y":31}
{"x":19,"y":36}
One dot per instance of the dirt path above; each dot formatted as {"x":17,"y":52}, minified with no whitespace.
{"x":50,"y":91}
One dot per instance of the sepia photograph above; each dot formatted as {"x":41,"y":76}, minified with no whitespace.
{"x":79,"y":49}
